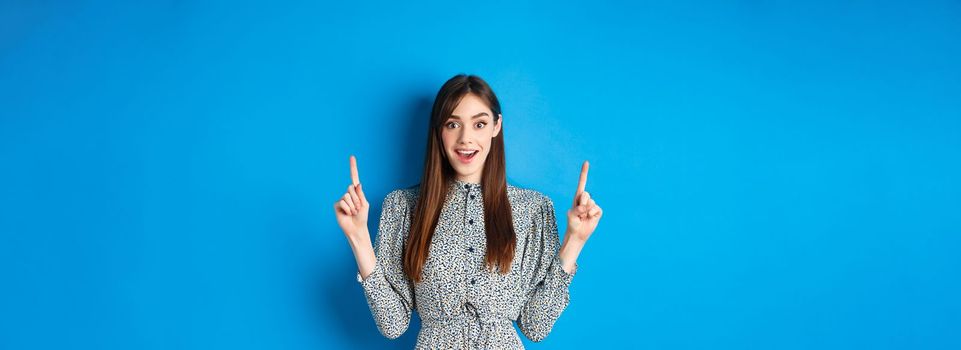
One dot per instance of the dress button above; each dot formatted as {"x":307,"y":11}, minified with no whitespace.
{"x":471,"y":249}
{"x":467,"y":186}
{"x":473,"y":281}
{"x":471,"y":196}
{"x":471,"y":221}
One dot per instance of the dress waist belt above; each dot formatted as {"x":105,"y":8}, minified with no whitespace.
{"x":466,"y":312}
{"x":475,"y":328}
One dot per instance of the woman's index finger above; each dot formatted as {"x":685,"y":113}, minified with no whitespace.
{"x":583,"y":180}
{"x":354,"y":177}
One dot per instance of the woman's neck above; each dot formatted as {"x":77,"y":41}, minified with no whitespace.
{"x":476,"y":179}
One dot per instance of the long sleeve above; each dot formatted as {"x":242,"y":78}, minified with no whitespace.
{"x":389,"y":292}
{"x":548,"y":284}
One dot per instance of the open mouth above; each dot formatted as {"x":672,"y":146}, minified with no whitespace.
{"x":465,"y":156}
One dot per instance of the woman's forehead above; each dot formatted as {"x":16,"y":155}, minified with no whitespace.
{"x":471,"y":106}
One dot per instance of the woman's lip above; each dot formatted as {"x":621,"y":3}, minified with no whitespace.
{"x":465,"y":159}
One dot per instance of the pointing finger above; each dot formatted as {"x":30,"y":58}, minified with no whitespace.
{"x":353,"y":170}
{"x":583,"y":180}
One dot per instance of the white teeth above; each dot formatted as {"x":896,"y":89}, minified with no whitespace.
{"x":466,"y":153}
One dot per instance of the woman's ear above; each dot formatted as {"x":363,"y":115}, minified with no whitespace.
{"x":497,"y":124}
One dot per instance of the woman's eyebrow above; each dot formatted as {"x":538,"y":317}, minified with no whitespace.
{"x":481,"y":114}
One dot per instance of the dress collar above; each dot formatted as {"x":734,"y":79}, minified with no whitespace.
{"x":462,"y":185}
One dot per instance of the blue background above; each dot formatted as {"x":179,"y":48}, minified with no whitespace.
{"x":774,"y":175}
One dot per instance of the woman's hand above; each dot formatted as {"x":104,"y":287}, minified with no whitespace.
{"x":351,"y":211}
{"x":352,"y":208}
{"x":584,"y":215}
{"x":582,"y":219}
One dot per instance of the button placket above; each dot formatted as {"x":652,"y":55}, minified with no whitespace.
{"x":472,"y":229}
{"x":467,"y":237}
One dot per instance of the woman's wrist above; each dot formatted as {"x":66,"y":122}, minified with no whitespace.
{"x":569,"y":251}
{"x":363,"y":252}
{"x":358,"y":239}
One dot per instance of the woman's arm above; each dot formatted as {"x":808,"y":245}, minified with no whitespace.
{"x":582,"y":219}
{"x":389,"y":293}
{"x":352,"y":211}
{"x":548,"y":283}
{"x":551,"y":280}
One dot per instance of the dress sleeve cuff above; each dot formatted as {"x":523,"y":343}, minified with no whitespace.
{"x":371,"y":278}
{"x":562,"y":275}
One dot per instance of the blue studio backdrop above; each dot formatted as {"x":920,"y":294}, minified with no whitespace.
{"x":774,"y":175}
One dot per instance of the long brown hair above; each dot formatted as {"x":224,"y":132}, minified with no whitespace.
{"x":439,"y":174}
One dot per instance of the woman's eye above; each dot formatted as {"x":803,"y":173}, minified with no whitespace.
{"x":451,"y":125}
{"x":480,"y":125}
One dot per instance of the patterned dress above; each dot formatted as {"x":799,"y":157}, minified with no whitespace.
{"x":461,"y":303}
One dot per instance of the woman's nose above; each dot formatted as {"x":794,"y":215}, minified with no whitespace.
{"x":464,"y":136}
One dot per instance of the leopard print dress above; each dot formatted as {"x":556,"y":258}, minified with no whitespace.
{"x":461,"y":303}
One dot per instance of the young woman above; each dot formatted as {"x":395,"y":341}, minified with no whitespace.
{"x":469,"y":252}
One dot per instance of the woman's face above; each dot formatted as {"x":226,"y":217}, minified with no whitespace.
{"x":467,"y":137}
